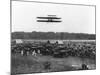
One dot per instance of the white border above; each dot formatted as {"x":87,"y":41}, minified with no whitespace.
{"x":5,"y":36}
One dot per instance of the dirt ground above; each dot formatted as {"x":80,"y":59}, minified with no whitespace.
{"x":39,"y":64}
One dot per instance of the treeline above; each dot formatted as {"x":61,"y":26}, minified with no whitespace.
{"x":52,"y":35}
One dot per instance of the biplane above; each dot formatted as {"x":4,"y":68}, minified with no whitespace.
{"x":49,"y":18}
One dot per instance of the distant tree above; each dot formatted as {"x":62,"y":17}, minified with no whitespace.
{"x":52,"y":35}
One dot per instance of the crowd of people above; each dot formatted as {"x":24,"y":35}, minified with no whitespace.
{"x":83,"y":49}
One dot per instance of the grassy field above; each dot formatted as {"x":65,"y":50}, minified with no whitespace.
{"x":39,"y":64}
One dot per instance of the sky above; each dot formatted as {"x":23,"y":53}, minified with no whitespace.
{"x":75,"y":18}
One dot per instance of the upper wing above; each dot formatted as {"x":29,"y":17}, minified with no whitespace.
{"x":48,"y":18}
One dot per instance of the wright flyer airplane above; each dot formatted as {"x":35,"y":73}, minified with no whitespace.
{"x":49,"y":18}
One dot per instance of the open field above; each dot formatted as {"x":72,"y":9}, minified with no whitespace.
{"x":31,"y":64}
{"x":52,"y":41}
